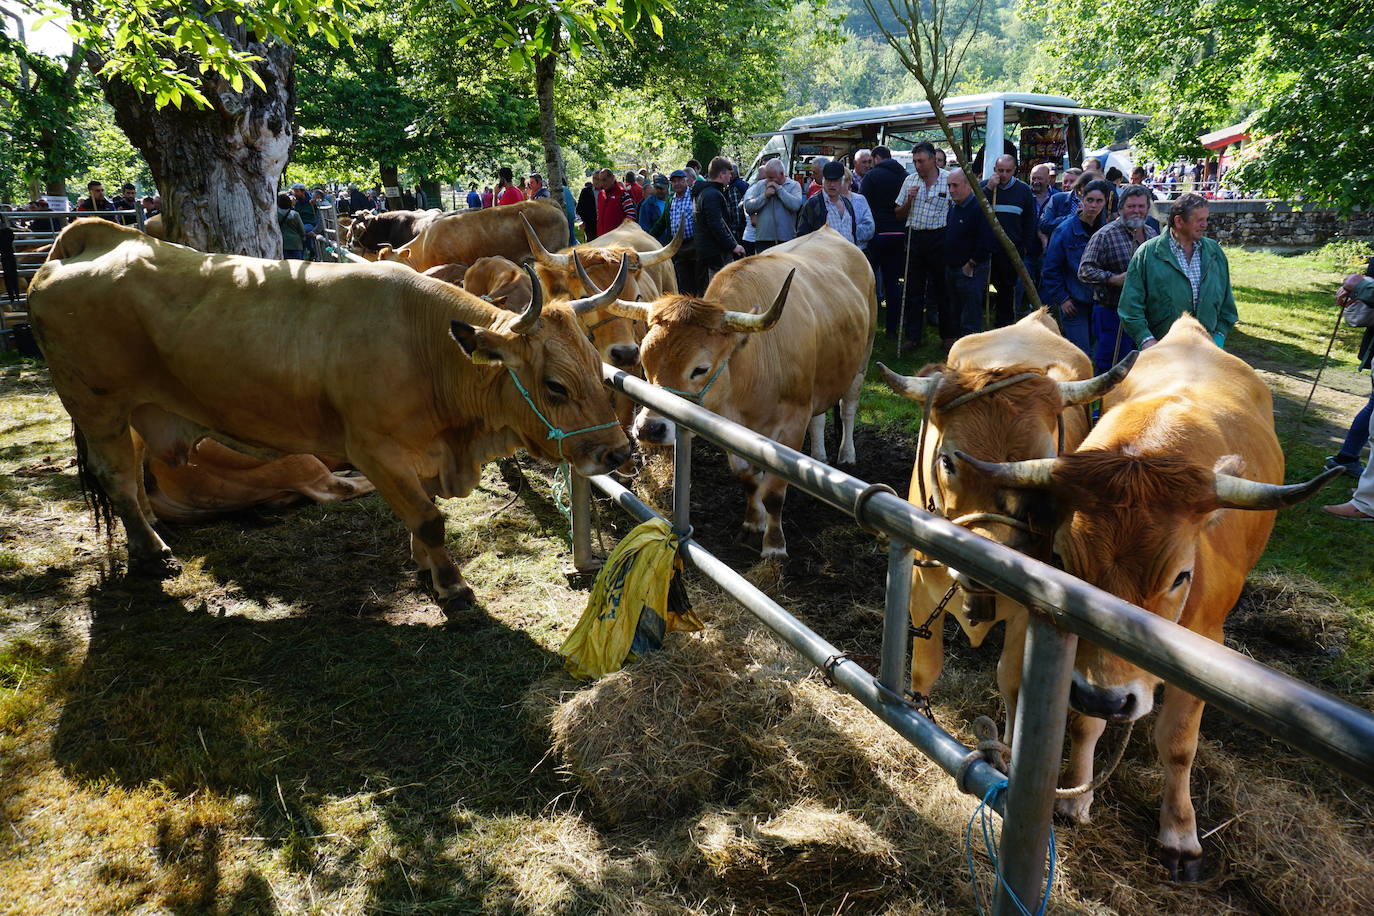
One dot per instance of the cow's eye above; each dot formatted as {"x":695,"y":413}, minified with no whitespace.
{"x":699,"y":371}
{"x":1183,"y":577}
{"x":555,"y":388}
{"x":947,"y":465}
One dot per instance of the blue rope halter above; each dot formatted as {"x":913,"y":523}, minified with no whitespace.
{"x":555,"y":433}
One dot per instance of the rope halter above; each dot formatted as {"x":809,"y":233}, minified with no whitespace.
{"x":697,"y":397}
{"x":555,"y":433}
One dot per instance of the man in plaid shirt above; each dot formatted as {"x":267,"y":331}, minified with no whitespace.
{"x":1104,"y":266}
{"x":924,"y":203}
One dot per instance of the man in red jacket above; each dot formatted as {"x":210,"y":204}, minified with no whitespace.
{"x":614,"y":205}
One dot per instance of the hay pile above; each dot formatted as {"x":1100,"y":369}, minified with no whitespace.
{"x":761,"y":788}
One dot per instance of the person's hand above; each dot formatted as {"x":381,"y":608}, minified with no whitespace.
{"x":770,"y":189}
{"x":967,"y":269}
{"x":911,"y":192}
{"x":1067,"y":308}
{"x":1117,"y":279}
{"x":738,"y":251}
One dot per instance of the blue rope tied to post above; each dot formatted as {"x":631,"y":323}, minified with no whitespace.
{"x":984,"y":812}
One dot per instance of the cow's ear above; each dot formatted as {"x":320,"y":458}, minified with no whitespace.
{"x":477,"y":344}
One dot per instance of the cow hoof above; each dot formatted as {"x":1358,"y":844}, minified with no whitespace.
{"x":156,"y":567}
{"x":777,"y":554}
{"x":749,"y":528}
{"x":849,"y":460}
{"x":1076,"y":810}
{"x":457,"y":596}
{"x":1181,"y":866}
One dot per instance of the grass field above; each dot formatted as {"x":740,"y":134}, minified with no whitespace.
{"x":289,"y":726}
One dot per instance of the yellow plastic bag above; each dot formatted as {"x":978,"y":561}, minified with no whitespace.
{"x":637,"y":599}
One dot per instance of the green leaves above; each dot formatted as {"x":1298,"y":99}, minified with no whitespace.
{"x":177,"y":50}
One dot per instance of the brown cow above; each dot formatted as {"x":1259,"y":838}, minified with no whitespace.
{"x":772,"y":372}
{"x":973,"y":409}
{"x":413,"y":382}
{"x":501,"y":282}
{"x":368,"y":232}
{"x":1144,"y":512}
{"x":216,"y":480}
{"x":584,"y":270}
{"x":463,"y":236}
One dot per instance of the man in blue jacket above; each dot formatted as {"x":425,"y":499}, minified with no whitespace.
{"x":1014,"y":204}
{"x":1059,"y":283}
{"x":968,"y":250}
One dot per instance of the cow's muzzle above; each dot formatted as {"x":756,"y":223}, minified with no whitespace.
{"x":624,"y":356}
{"x":1115,"y":704}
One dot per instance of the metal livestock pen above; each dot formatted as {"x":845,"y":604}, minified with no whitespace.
{"x":1063,"y":609}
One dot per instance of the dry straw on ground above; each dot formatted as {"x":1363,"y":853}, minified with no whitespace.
{"x":785,"y":796}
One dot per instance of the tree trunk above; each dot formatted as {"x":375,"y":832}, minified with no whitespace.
{"x":218,"y":168}
{"x":545,"y":69}
{"x":391,"y":185}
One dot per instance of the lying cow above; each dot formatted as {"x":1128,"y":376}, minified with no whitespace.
{"x":411,"y":381}
{"x":1144,"y":512}
{"x":772,"y":371}
{"x":463,"y":236}
{"x":1003,"y":395}
{"x":368,"y":232}
{"x":216,"y":481}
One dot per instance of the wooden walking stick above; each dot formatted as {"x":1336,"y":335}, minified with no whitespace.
{"x":1320,"y":369}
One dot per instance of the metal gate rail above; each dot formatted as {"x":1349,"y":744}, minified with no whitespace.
{"x":1063,"y":608}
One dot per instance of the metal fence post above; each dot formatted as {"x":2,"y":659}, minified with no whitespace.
{"x":896,"y":617}
{"x":1037,"y":749}
{"x":583,"y":558}
{"x":682,"y":479}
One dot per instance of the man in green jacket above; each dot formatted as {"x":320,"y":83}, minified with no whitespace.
{"x":1178,"y":271}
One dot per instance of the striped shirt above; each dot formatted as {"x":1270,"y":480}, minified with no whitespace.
{"x":680,"y":209}
{"x":930,"y":206}
{"x":1192,"y":269}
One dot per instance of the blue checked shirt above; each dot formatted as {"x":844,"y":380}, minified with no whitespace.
{"x":680,"y":209}
{"x":1191,"y":269}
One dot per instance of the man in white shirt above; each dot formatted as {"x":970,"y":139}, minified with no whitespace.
{"x":923,"y":202}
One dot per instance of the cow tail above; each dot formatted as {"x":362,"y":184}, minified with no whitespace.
{"x":93,"y":492}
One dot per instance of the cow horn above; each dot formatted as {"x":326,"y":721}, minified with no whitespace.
{"x":744,"y":321}
{"x":623,"y":308}
{"x":1027,"y":475}
{"x":607,"y":296}
{"x":587,"y":282}
{"x":542,"y":254}
{"x":650,"y":258}
{"x":1089,"y":390}
{"x":1239,"y":493}
{"x":530,"y":317}
{"x":916,"y":387}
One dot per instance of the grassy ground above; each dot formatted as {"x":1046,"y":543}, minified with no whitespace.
{"x":290,"y":727}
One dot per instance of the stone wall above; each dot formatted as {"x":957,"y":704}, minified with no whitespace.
{"x":1272,"y":222}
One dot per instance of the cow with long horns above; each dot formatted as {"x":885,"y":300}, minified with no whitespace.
{"x":1146,"y":510}
{"x":584,"y":270}
{"x":776,"y":369}
{"x":1002,"y":395}
{"x":412,"y":381}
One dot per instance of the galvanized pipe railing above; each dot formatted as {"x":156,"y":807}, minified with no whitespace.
{"x":937,"y":744}
{"x":1062,"y":607}
{"x":1297,"y":713}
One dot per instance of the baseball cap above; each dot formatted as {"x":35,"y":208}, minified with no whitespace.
{"x":661,"y":181}
{"x":298,"y":187}
{"x":832,"y":170}
{"x":678,"y":173}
